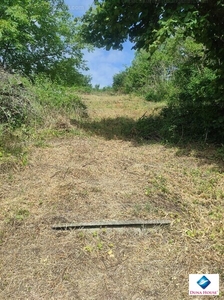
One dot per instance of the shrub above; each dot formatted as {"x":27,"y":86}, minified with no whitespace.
{"x":16,"y":100}
{"x":51,"y":94}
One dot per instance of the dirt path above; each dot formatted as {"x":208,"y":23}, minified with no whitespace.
{"x":90,"y":179}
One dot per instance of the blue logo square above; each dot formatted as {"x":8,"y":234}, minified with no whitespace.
{"x":203,"y":282}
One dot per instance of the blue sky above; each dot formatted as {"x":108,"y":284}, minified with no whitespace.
{"x":103,"y":65}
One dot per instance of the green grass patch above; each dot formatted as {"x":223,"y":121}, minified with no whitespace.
{"x":32,"y":112}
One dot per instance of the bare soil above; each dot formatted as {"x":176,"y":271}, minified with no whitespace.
{"x":87,"y":178}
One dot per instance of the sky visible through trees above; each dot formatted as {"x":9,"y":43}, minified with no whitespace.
{"x":103,"y":64}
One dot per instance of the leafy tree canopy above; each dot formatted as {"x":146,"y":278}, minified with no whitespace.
{"x":176,"y":73}
{"x":152,"y":72}
{"x":111,"y":22}
{"x":38,"y":36}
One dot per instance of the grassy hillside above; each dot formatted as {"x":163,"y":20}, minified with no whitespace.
{"x":94,"y":168}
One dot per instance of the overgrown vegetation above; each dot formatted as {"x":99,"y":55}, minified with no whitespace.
{"x":128,"y":173}
{"x":181,"y":64}
{"x":16,"y":101}
{"x":40,"y":70}
{"x":33,"y":111}
{"x":176,"y":67}
{"x":176,"y":73}
{"x":111,"y":175}
{"x":40,"y":37}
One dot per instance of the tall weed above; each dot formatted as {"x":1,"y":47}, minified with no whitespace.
{"x":53,"y":95}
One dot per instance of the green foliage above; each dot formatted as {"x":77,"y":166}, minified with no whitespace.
{"x":151,"y":76}
{"x":110,"y":22}
{"x":198,"y":113}
{"x":26,"y":107}
{"x":40,"y":37}
{"x":22,"y":214}
{"x":176,"y":125}
{"x":65,"y":73}
{"x":178,"y":73}
{"x":53,"y":95}
{"x":23,"y":102}
{"x":134,"y":78}
{"x":156,"y":94}
{"x":107,"y":89}
{"x":16,"y":101}
{"x":119,"y":81}
{"x":14,"y":110}
{"x":183,"y":65}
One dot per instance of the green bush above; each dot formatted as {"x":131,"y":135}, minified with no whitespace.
{"x":16,"y":100}
{"x":195,"y":107}
{"x":23,"y":102}
{"x":154,"y":96}
{"x":51,"y":94}
{"x":118,"y":81}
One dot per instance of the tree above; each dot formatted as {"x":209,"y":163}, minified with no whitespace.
{"x":38,"y":37}
{"x":151,"y":75}
{"x":111,"y":22}
{"x":119,"y":81}
{"x":65,"y":72}
{"x":149,"y":25}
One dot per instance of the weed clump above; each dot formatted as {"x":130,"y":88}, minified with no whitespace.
{"x":16,"y":101}
{"x":27,"y":108}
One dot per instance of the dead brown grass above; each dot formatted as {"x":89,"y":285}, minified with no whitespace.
{"x":89,"y":179}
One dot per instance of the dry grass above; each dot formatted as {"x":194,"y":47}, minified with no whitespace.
{"x":116,"y":117}
{"x":84,"y":178}
{"x":103,"y":106}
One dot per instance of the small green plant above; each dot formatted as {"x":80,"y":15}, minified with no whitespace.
{"x":22,"y":214}
{"x":95,"y":234}
{"x":144,"y":208}
{"x":24,"y":159}
{"x":158,"y":184}
{"x":191,"y":233}
{"x":148,"y":191}
{"x":100,"y":245}
{"x":148,"y":207}
{"x":88,"y":248}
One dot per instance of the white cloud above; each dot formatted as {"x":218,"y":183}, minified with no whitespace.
{"x":103,"y":64}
